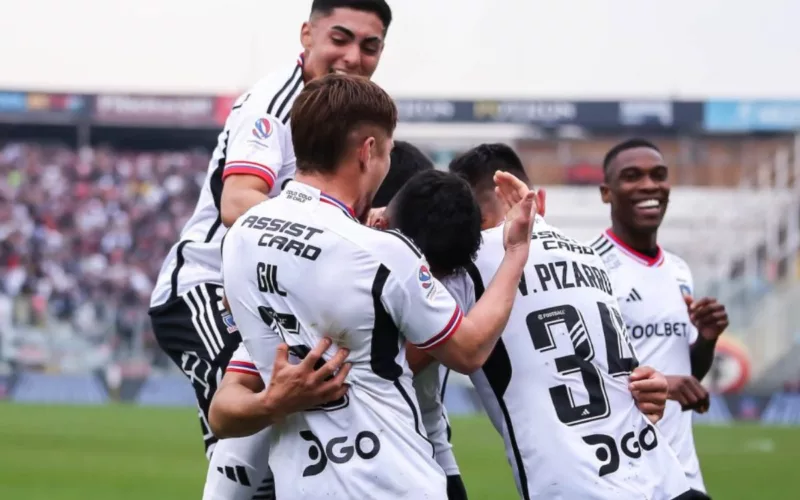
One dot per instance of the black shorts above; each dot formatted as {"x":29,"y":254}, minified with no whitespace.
{"x":199,"y":335}
{"x":693,"y":495}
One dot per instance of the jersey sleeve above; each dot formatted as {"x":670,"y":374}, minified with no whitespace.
{"x":241,"y":362}
{"x":422,"y":308}
{"x":256,"y":143}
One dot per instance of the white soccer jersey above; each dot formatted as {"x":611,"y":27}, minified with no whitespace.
{"x":650,"y":292}
{"x":301,"y":267}
{"x":429,"y":385}
{"x":256,"y":140}
{"x":556,"y":385}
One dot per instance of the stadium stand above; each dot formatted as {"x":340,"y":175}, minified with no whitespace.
{"x":84,"y":233}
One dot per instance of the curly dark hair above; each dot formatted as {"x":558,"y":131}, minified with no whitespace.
{"x":438,"y":211}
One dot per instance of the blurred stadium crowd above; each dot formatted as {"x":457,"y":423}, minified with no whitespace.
{"x":83,"y":235}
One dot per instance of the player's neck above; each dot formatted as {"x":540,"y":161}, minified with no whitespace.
{"x":644,"y":242}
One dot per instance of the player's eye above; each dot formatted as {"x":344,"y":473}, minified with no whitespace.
{"x":370,"y":48}
{"x":630,"y":175}
{"x":339,"y":40}
{"x":660,"y":174}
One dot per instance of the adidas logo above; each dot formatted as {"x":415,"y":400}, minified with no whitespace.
{"x":634,"y":296}
{"x":237,"y":474}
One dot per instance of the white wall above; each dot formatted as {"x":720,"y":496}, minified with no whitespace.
{"x":437,"y":48}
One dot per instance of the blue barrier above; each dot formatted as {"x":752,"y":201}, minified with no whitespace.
{"x":63,"y":389}
{"x":782,"y":409}
{"x":168,"y":390}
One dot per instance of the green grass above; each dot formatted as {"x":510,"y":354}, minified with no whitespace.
{"x":122,"y":452}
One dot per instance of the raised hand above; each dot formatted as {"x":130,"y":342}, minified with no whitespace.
{"x":519,"y":204}
{"x":708,"y":316}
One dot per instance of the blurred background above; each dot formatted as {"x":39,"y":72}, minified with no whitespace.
{"x":108,"y":116}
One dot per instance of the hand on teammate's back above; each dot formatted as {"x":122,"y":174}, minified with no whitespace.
{"x":295,"y":388}
{"x":649,"y":389}
{"x":376,"y":219}
{"x":689,"y":392}
{"x":708,"y":316}
{"x":519,"y":204}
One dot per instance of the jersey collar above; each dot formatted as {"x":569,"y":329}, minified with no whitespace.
{"x":330,"y":200}
{"x":639,"y":257}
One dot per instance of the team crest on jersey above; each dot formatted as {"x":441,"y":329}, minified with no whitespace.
{"x":262,"y":129}
{"x":227,"y":318}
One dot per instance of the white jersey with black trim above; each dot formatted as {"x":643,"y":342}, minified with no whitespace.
{"x":430,"y":384}
{"x":650,"y":292}
{"x":557,"y":381}
{"x":299,"y":268}
{"x":256,"y":140}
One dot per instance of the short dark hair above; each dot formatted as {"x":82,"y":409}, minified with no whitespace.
{"x":636,"y":142}
{"x":438,"y":211}
{"x":407,"y":160}
{"x":478,"y":165}
{"x":327,"y":110}
{"x":378,"y":7}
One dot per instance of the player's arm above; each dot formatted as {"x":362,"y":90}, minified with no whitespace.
{"x":464,"y":343}
{"x":254,"y":155}
{"x":243,"y":406}
{"x":239,"y":407}
{"x":417,"y":359}
{"x":710,"y":320}
{"x":470,"y":345}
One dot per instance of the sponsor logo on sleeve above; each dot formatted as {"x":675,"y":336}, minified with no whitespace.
{"x":262,"y":130}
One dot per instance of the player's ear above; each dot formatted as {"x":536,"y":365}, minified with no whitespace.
{"x":605,"y":193}
{"x":365,"y":151}
{"x":305,"y":35}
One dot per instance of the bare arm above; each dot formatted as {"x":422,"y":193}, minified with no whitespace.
{"x":470,"y":346}
{"x":417,"y":359}
{"x":242,"y":406}
{"x":239,"y":407}
{"x":239,"y":194}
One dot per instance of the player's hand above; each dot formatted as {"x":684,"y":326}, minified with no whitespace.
{"x":376,"y":218}
{"x":295,"y":388}
{"x":649,"y":389}
{"x":708,"y":316}
{"x":519,"y":204}
{"x":689,"y":392}
{"x":541,"y":201}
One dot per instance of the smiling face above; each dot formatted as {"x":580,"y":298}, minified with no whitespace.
{"x":637,"y":187}
{"x":346,"y":41}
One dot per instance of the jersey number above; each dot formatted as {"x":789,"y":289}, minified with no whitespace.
{"x":543,"y":323}
{"x":284,"y":324}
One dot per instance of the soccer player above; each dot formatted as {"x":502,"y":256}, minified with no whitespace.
{"x":302,"y":268}
{"x":238,"y":466}
{"x":558,"y":385}
{"x":438,"y":212}
{"x":478,"y":165}
{"x":654,"y":288}
{"x":252,"y":162}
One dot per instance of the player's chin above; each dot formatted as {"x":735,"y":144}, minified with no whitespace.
{"x":647,"y":221}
